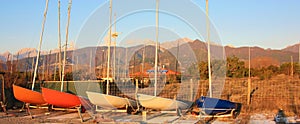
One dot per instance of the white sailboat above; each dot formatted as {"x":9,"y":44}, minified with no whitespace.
{"x":107,"y":101}
{"x":155,"y":102}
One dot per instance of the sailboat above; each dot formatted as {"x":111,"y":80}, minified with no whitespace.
{"x":26,"y":95}
{"x":60,"y":98}
{"x":214,"y":107}
{"x":155,"y":102}
{"x":105,"y":100}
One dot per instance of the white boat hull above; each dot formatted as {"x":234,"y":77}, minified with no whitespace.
{"x":160,"y":103}
{"x":109,"y":101}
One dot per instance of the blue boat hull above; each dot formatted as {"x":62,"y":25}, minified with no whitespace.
{"x":214,"y":106}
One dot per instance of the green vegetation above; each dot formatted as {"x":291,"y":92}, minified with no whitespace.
{"x":235,"y":68}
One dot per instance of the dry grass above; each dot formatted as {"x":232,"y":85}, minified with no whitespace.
{"x":280,"y":92}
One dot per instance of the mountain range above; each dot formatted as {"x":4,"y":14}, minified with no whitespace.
{"x":259,"y":57}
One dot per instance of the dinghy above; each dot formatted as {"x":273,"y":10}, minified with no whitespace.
{"x":60,"y":99}
{"x":106,"y":100}
{"x":160,"y":103}
{"x":218,"y":107}
{"x":155,"y":102}
{"x":30,"y":96}
{"x":109,"y":101}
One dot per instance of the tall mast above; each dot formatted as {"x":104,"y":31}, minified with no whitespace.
{"x":156,"y":48}
{"x":115,"y":35}
{"x":66,"y":47}
{"x":40,"y":44}
{"x":108,"y":52}
{"x":59,"y":43}
{"x":208,"y":50}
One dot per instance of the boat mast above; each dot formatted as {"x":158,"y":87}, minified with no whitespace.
{"x":66,"y":46}
{"x":59,"y":43}
{"x":156,"y":48}
{"x":208,"y":50}
{"x":108,"y":53}
{"x":115,"y":35}
{"x":40,"y":44}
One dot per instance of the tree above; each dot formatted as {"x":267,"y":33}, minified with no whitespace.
{"x":203,"y":70}
{"x":285,"y":68}
{"x":235,"y":68}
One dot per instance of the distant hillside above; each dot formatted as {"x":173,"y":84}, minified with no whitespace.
{"x":293,"y":48}
{"x":262,"y":57}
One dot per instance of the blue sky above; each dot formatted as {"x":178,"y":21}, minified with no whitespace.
{"x":264,"y":23}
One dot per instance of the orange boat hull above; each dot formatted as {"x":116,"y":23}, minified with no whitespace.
{"x":60,"y":99}
{"x":28,"y":96}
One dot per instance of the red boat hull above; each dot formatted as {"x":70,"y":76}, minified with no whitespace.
{"x":28,"y":96}
{"x":60,"y":99}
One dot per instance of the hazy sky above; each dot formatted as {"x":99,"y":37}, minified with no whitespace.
{"x":264,"y":23}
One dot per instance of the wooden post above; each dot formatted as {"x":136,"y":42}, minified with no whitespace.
{"x":43,"y":69}
{"x":292,"y":67}
{"x":191,"y":90}
{"x":54,"y":76}
{"x":48,"y":64}
{"x":3,"y":99}
{"x":249,"y":81}
{"x":91,"y":56}
{"x":3,"y":89}
{"x":12,"y":64}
